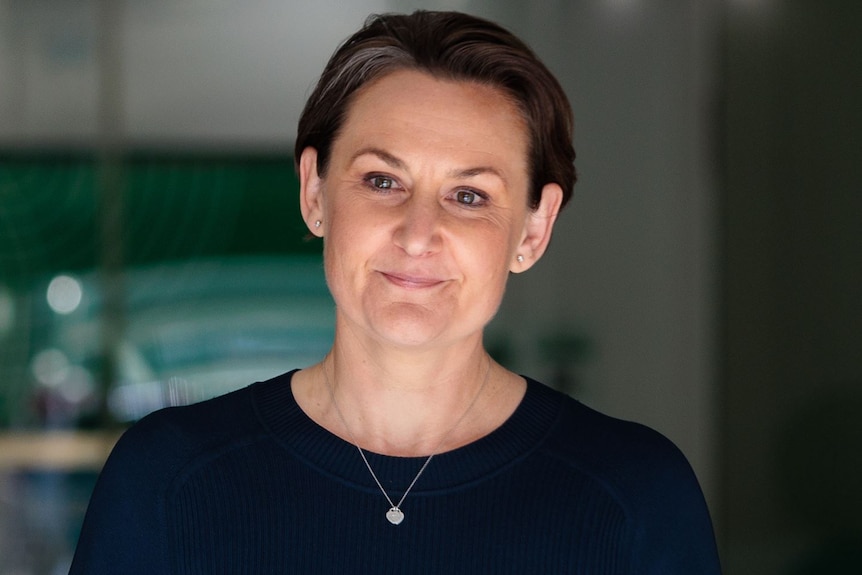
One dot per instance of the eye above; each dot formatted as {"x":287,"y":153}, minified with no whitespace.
{"x":381,"y":182}
{"x":469,"y":197}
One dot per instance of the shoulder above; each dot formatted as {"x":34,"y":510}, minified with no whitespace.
{"x":164,"y":441}
{"x":650,"y":479}
{"x":150,"y":458}
{"x":170,"y":438}
{"x":605,"y":446}
{"x":613,"y":450}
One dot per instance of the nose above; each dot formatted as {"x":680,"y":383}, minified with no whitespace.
{"x":418,"y":231}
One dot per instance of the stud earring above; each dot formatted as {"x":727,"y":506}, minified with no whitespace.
{"x":317,"y":223}
{"x":520,"y":259}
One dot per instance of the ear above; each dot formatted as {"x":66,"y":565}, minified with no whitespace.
{"x":311,"y":192}
{"x":537,"y":229}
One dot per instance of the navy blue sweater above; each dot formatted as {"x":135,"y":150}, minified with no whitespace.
{"x":247,"y":484}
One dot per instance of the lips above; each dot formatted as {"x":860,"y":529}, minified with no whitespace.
{"x":412,"y":281}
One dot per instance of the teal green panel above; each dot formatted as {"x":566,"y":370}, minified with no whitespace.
{"x":174,"y":207}
{"x":48,"y":216}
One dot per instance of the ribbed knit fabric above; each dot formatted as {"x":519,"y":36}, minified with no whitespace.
{"x":247,"y":484}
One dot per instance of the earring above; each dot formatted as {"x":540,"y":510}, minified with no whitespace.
{"x":317,"y":223}
{"x":520,"y":259}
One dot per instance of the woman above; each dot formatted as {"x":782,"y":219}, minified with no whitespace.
{"x":434,"y":156}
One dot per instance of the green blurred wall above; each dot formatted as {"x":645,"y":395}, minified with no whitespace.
{"x":174,"y":207}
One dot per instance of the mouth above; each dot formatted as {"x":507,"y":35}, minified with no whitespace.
{"x":409,"y":281}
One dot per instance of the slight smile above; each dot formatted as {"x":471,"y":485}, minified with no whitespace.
{"x":411,"y":282}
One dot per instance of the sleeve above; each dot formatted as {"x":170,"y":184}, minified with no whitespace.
{"x":673,"y":534}
{"x":124,"y":527}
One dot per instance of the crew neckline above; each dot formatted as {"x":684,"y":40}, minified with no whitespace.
{"x":513,"y":440}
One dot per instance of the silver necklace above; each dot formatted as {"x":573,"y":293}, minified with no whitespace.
{"x":395,"y":516}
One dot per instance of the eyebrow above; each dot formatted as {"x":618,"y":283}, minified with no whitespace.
{"x":388,"y":158}
{"x":397,"y":163}
{"x":478,"y":171}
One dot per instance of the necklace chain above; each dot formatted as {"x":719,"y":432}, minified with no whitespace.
{"x":395,"y":515}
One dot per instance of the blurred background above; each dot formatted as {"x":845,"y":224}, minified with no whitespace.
{"x":705,"y":279}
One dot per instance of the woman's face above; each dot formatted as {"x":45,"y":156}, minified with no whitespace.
{"x":424,"y":209}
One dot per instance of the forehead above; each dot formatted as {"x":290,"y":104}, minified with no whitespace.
{"x":413,"y":108}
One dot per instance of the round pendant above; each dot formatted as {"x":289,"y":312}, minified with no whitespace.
{"x":395,"y":516}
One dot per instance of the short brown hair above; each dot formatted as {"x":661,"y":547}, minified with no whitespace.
{"x":454,"y":46}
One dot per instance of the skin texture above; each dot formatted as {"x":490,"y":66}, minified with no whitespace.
{"x":424,"y":212}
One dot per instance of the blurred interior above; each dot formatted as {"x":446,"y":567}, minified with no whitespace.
{"x":705,"y":279}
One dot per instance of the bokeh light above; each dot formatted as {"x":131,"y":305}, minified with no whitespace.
{"x":50,"y":367}
{"x":64,"y":294}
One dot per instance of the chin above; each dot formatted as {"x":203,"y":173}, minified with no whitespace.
{"x":423,"y":328}
{"x":409,"y":328}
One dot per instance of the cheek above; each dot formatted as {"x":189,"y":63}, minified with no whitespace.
{"x":497,"y":243}
{"x":485,"y":262}
{"x":336,"y":255}
{"x":346,"y":252}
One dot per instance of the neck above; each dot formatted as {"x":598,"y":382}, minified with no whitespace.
{"x":402,"y":401}
{"x":421,"y":445}
{"x":405,"y":405}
